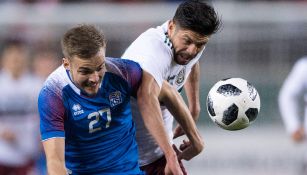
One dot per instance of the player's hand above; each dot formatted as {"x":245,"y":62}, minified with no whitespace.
{"x":178,"y":132}
{"x":184,"y":145}
{"x":172,"y":166}
{"x":299,"y":135}
{"x":187,"y":151}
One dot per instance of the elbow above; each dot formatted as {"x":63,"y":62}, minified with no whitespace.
{"x":200,"y":146}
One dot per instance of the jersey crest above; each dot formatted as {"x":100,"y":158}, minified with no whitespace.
{"x":115,"y":98}
{"x":177,"y":79}
{"x":180,"y":77}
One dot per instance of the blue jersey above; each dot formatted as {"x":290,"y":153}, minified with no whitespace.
{"x":99,"y":132}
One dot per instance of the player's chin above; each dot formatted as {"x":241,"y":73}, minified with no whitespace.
{"x":91,"y":90}
{"x":182,"y":61}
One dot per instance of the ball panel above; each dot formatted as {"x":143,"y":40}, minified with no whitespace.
{"x":230,"y":114}
{"x":229,"y":90}
{"x":251,"y":114}
{"x":252,"y":91}
{"x":239,"y":124}
{"x":210,"y":106}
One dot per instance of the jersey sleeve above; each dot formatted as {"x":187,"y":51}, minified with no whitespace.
{"x":290,"y":92}
{"x":129,"y":70}
{"x":134,"y":76}
{"x":51,"y":112}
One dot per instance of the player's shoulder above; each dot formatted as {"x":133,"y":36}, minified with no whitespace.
{"x":302,"y":60}
{"x":114,"y":64}
{"x":152,"y":43}
{"x":155,"y":37}
{"x":56,"y":81}
{"x":124,"y":70}
{"x":121,"y":67}
{"x":301,"y":64}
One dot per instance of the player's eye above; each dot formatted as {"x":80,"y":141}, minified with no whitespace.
{"x":187,"y":41}
{"x":85,"y":72}
{"x":200,"y":45}
{"x":100,"y":68}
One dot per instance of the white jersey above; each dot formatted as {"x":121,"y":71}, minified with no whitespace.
{"x":294,"y":87}
{"x":153,"y":51}
{"x":18,"y":114}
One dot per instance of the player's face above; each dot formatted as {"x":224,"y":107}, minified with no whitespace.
{"x":186,"y":43}
{"x":87,"y":74}
{"x":14,"y":60}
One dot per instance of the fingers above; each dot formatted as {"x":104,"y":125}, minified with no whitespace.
{"x":184,"y":145}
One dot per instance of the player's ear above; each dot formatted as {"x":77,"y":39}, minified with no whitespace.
{"x":171,"y":27}
{"x":66,"y":63}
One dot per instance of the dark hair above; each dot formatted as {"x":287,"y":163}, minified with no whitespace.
{"x":83,"y":41}
{"x":13,"y":42}
{"x":198,"y":17}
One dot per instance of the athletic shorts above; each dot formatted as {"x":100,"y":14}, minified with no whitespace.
{"x":18,"y":170}
{"x":157,"y":167}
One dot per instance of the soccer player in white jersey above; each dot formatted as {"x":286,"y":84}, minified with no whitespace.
{"x":85,"y":114}
{"x":171,"y":53}
{"x":293,"y":88}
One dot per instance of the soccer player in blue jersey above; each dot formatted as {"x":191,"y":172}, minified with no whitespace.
{"x":85,"y":116}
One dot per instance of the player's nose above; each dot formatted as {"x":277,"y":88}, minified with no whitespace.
{"x":94,"y":77}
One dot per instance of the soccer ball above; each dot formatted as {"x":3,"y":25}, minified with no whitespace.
{"x":233,"y":103}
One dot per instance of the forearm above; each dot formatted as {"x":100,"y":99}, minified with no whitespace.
{"x":56,"y":167}
{"x":149,"y":106}
{"x":147,"y":97}
{"x":288,"y":101}
{"x":289,"y":109}
{"x":192,"y":133}
{"x":54,"y":150}
{"x":176,"y":105}
{"x":151,"y":113}
{"x":185,"y":120}
{"x":192,"y":91}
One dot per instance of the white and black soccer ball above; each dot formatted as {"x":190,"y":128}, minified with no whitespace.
{"x":233,"y":103}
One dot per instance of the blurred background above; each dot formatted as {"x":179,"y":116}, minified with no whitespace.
{"x":259,"y":41}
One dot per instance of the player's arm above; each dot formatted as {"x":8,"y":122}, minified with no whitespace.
{"x":148,"y":102}
{"x":191,"y":88}
{"x":176,"y":105}
{"x":291,"y":91}
{"x":51,"y":111}
{"x":54,"y":150}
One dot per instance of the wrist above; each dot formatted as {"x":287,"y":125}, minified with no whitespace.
{"x":170,"y":155}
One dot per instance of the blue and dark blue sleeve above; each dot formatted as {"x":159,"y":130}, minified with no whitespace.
{"x":135,"y":74}
{"x":52,"y":113}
